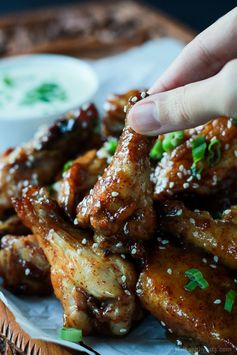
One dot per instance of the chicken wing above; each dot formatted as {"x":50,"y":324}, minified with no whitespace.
{"x":200,"y":313}
{"x":96,"y":289}
{"x":12,"y":225}
{"x":38,"y":161}
{"x":174,"y":173}
{"x":23,"y":266}
{"x":216,"y":236}
{"x":114,"y":118}
{"x":120,"y":204}
{"x":78,"y":180}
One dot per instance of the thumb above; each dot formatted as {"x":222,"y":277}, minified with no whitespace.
{"x":189,"y":105}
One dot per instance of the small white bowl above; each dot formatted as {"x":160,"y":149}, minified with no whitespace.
{"x":19,"y":122}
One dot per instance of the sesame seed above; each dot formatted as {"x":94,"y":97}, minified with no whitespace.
{"x":196,"y":210}
{"x":27,"y":272}
{"x":204,"y":260}
{"x":195,"y":234}
{"x":139,"y":291}
{"x":227,"y":212}
{"x":127,"y":292}
{"x":123,"y":256}
{"x":179,"y":342}
{"x":180,"y":175}
{"x":195,"y":185}
{"x":229,"y":124}
{"x":162,"y":248}
{"x":133,"y":251}
{"x":215,"y":258}
{"x":114,"y":193}
{"x":213,"y":266}
{"x":181,"y":168}
{"x":190,"y":178}
{"x":84,"y":241}
{"x":143,"y":94}
{"x":235,"y":153}
{"x":170,"y":330}
{"x":235,"y":280}
{"x":179,"y":212}
{"x":192,"y":220}
{"x":125,"y":108}
{"x":134,"y":99}
{"x":162,"y":323}
{"x":206,"y":348}
{"x":169,"y":271}
{"x":186,"y":185}
{"x":171,"y":184}
{"x":123,"y":330}
{"x":217,"y":301}
{"x":123,"y":278}
{"x":164,"y":241}
{"x":227,"y":146}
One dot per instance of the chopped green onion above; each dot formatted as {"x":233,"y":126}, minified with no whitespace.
{"x":234,"y":121}
{"x":8,"y":81}
{"x":67,"y":166}
{"x":111,"y":145}
{"x":199,"y":146}
{"x":230,"y":300}
{"x":191,"y":286}
{"x":70,"y":334}
{"x":214,"y":149}
{"x":46,"y":92}
{"x":196,"y":276}
{"x":157,"y":150}
{"x":172,"y":140}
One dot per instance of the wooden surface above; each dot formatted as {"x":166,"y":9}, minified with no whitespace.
{"x":12,"y":339}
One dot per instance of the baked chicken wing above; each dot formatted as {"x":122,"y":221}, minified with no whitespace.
{"x":23,"y":266}
{"x":38,"y":161}
{"x":216,"y":161}
{"x":216,"y":236}
{"x":95,"y":289}
{"x":199,"y":313}
{"x":13,"y":225}
{"x":120,"y":204}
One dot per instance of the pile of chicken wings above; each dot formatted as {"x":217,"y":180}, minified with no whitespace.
{"x":117,"y":228}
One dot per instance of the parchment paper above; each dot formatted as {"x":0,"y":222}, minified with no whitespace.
{"x":41,"y":318}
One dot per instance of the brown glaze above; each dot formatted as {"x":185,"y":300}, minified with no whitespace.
{"x":216,"y":236}
{"x":120,"y":204}
{"x":173,"y":173}
{"x":190,"y":314}
{"x":97,"y":291}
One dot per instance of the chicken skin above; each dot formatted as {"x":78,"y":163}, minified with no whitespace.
{"x":174,"y":173}
{"x":120,"y":205}
{"x":38,"y":161}
{"x":114,"y":118}
{"x":24,"y":267}
{"x":13,"y":225}
{"x":199,"y":313}
{"x":97,"y":291}
{"x":216,"y":236}
{"x":78,"y":180}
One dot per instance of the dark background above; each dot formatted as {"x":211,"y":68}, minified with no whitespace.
{"x":197,"y":14}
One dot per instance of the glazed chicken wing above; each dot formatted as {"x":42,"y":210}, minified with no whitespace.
{"x":114,"y":119}
{"x":218,"y":166}
{"x":96,"y":290}
{"x":216,"y":236}
{"x":199,"y":313}
{"x":23,"y":266}
{"x":12,"y":225}
{"x":38,"y":161}
{"x":120,"y":204}
{"x":78,"y":180}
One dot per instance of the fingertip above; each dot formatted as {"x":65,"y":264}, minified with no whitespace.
{"x":143,"y":118}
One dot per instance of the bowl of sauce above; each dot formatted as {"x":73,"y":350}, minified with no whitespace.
{"x":37,"y":89}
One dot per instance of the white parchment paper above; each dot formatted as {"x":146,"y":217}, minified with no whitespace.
{"x":41,"y":318}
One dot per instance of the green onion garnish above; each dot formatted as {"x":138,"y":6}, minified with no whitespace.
{"x":230,"y":300}
{"x":172,"y":140}
{"x":111,"y":145}
{"x":214,"y":149}
{"x":8,"y":81}
{"x":46,"y":92}
{"x":199,"y":146}
{"x":196,"y":277}
{"x":67,"y":166}
{"x":157,"y":150}
{"x":70,"y":334}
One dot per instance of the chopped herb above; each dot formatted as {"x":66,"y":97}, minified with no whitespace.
{"x":172,"y":140}
{"x":111,"y":145}
{"x":214,"y":149}
{"x":8,"y":80}
{"x":157,"y":150}
{"x":196,"y":277}
{"x":234,"y":121}
{"x":67,"y":166}
{"x":70,"y":334}
{"x":46,"y":92}
{"x":199,"y":146}
{"x":230,"y":300}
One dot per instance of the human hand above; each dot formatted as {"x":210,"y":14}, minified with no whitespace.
{"x":201,"y":84}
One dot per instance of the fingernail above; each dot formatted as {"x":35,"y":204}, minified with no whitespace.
{"x":143,"y":118}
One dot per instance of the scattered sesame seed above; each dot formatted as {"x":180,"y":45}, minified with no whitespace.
{"x":134,"y":99}
{"x":125,"y":108}
{"x":229,"y":124}
{"x":235,"y":153}
{"x":165,"y":241}
{"x":181,"y":167}
{"x":123,"y":278}
{"x":179,"y":342}
{"x":27,"y":272}
{"x":123,"y":256}
{"x":192,"y":220}
{"x":195,"y":185}
{"x":215,"y":258}
{"x":114,"y":193}
{"x":196,"y":210}
{"x":204,"y":260}
{"x":75,"y":222}
{"x":119,"y":245}
{"x":213,"y":266}
{"x":139,"y":291}
{"x":227,"y":212}
{"x":170,"y":330}
{"x":171,"y":184}
{"x":190,"y":178}
{"x":127,"y":292}
{"x":143,"y":94}
{"x":195,"y":234}
{"x":162,"y":323}
{"x":84,"y":241}
{"x":133,"y":251}
{"x":206,"y":348}
{"x":227,"y":146}
{"x":235,"y":280}
{"x":169,"y":271}
{"x":180,"y":175}
{"x":179,"y":212}
{"x":162,"y":248}
{"x":123,"y":330}
{"x":217,"y":301}
{"x":186,"y":185}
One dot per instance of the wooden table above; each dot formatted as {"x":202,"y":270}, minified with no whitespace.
{"x":148,"y":24}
